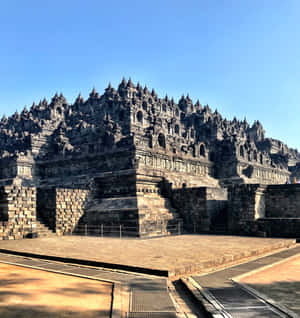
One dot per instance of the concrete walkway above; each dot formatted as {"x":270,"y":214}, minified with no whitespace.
{"x":225,"y":298}
{"x":134,"y":296}
{"x":27,"y":292}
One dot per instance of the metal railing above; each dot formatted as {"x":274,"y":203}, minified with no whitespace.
{"x":121,"y":230}
{"x":105,"y":230}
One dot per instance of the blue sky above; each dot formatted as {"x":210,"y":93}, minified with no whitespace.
{"x":239,"y":56}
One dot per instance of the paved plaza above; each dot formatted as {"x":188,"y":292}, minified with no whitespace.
{"x":25,"y":290}
{"x":28,"y":292}
{"x":280,"y":282}
{"x":224,"y":295}
{"x":178,"y":255}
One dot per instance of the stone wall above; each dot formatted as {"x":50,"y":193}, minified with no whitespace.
{"x":272,"y":210}
{"x":283,"y":201}
{"x":199,"y":206}
{"x":61,"y":209}
{"x":70,"y":207}
{"x":69,"y":171}
{"x":246,"y":203}
{"x":279,"y":227}
{"x":178,"y":170}
{"x":18,"y":212}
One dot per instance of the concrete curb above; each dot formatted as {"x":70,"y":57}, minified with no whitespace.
{"x":67,"y":260}
{"x":211,"y":306}
{"x":116,"y":308}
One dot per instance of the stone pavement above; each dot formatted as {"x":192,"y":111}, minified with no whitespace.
{"x":279,"y":283}
{"x":169,"y":256}
{"x":27,"y":293}
{"x":225,"y":298}
{"x":147,"y":296}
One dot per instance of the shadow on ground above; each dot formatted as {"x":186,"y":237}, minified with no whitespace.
{"x":19,"y":311}
{"x":284,"y":293}
{"x":36,"y":297}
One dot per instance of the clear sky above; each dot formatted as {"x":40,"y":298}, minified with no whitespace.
{"x":239,"y":56}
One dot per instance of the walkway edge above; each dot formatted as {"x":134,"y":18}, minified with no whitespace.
{"x":116,"y":310}
{"x":213,"y":309}
{"x":239,"y":277}
{"x":127,"y":268}
{"x":268,"y":300}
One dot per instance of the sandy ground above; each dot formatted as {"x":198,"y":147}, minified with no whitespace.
{"x":167,"y":253}
{"x":31,"y":293}
{"x":280,"y":282}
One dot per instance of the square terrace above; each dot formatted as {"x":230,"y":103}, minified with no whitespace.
{"x":172,"y":256}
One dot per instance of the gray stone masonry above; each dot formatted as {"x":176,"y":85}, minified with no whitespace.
{"x":128,"y":157}
{"x":18,"y":211}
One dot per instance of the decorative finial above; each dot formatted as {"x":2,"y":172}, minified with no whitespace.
{"x":130,"y":84}
{"x":79,"y":99}
{"x":146,"y":89}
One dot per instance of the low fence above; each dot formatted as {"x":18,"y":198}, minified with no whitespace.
{"x":123,"y":230}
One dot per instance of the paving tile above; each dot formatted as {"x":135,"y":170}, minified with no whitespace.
{"x":237,"y":301}
{"x":234,"y":296}
{"x":151,"y":301}
{"x":152,"y":315}
{"x":254,"y":313}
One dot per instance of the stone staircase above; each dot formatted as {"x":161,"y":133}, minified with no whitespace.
{"x":43,"y":230}
{"x":146,"y":213}
{"x":156,"y":215}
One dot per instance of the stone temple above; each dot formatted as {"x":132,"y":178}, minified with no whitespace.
{"x":130,"y":158}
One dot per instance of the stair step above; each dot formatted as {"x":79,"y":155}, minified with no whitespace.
{"x":43,"y":230}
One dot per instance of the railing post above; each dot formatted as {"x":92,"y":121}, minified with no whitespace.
{"x":85,"y":229}
{"x":194,"y":227}
{"x":179,"y":230}
{"x":101,"y":230}
{"x":120,"y":230}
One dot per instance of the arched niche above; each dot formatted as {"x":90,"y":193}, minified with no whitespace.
{"x":58,"y":111}
{"x":162,"y":140}
{"x":139,"y":116}
{"x":242,"y":151}
{"x":202,"y":150}
{"x":255,"y":155}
